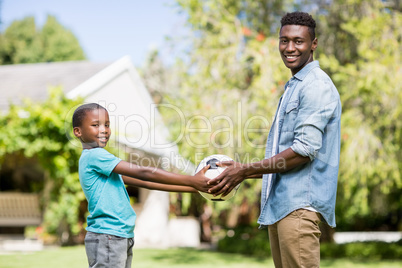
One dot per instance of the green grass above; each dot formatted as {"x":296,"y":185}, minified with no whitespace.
{"x":74,"y":257}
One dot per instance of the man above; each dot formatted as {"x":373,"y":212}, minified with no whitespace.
{"x":301,"y":162}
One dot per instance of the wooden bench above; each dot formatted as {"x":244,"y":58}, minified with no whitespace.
{"x":19,"y":209}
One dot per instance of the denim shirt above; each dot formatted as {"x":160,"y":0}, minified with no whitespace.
{"x":309,"y":123}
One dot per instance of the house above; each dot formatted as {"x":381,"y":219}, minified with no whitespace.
{"x":137,"y":128}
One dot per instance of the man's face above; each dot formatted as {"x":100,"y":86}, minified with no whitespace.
{"x":296,"y":46}
{"x":95,"y":129}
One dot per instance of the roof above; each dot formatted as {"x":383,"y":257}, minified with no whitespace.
{"x":32,"y":81}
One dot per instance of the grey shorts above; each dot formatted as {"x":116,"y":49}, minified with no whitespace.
{"x":104,"y":250}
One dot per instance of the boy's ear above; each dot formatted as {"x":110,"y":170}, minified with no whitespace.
{"x":77,"y":132}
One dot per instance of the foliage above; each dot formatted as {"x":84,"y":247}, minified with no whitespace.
{"x":246,"y":240}
{"x":233,"y":75}
{"x":369,"y":251}
{"x":368,"y":76}
{"x":249,"y":240}
{"x":37,"y":130}
{"x":227,"y":86}
{"x":41,"y":130}
{"x":22,"y":42}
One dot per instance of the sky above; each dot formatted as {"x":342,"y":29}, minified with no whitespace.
{"x":107,"y":30}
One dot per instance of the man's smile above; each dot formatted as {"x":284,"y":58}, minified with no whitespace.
{"x":291,"y":58}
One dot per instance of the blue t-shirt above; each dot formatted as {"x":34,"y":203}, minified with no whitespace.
{"x":109,"y":206}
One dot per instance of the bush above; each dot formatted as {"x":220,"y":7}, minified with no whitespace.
{"x":246,"y":240}
{"x":252,"y":241}
{"x":363,"y":250}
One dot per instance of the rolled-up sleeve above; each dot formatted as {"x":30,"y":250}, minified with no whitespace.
{"x":318,"y":105}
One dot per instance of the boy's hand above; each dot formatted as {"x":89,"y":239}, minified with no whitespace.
{"x":200,"y":181}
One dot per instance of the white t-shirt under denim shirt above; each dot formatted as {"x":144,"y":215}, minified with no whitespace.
{"x":275,"y":145}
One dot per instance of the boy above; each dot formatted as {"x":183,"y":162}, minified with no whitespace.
{"x":111,"y":219}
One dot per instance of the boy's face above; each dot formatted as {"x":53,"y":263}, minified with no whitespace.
{"x":94,"y":131}
{"x":296,"y":47}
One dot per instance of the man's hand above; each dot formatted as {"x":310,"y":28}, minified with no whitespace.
{"x":232,"y":176}
{"x":235,"y":172}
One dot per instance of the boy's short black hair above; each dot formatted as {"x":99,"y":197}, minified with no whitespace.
{"x":300,"y":18}
{"x":80,"y":112}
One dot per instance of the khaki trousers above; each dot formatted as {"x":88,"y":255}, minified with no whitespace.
{"x":295,"y":240}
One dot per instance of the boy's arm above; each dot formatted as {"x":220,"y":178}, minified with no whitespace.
{"x":157,"y":186}
{"x":152,"y":174}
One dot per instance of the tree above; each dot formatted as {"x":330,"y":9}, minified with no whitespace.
{"x":233,"y":62}
{"x":59,"y":44}
{"x":43,"y":131}
{"x":22,"y":42}
{"x":364,"y":63}
{"x":227,"y":90}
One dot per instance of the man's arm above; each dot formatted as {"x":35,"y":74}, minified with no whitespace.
{"x":198,"y":181}
{"x":235,"y":173}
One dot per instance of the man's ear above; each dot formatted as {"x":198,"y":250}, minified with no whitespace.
{"x":314,"y":44}
{"x":77,"y":132}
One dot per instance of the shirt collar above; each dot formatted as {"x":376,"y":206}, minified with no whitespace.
{"x":306,"y":69}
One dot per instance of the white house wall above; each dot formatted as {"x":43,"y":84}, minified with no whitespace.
{"x":132,"y":117}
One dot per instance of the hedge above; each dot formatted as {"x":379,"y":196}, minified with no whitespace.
{"x":254,"y":242}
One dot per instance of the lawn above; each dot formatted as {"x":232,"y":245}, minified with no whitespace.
{"x":74,"y":257}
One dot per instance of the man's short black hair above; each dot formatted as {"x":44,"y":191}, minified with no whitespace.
{"x":300,"y":18}
{"x":80,"y":112}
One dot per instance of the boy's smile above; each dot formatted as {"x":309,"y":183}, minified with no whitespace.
{"x":95,"y":129}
